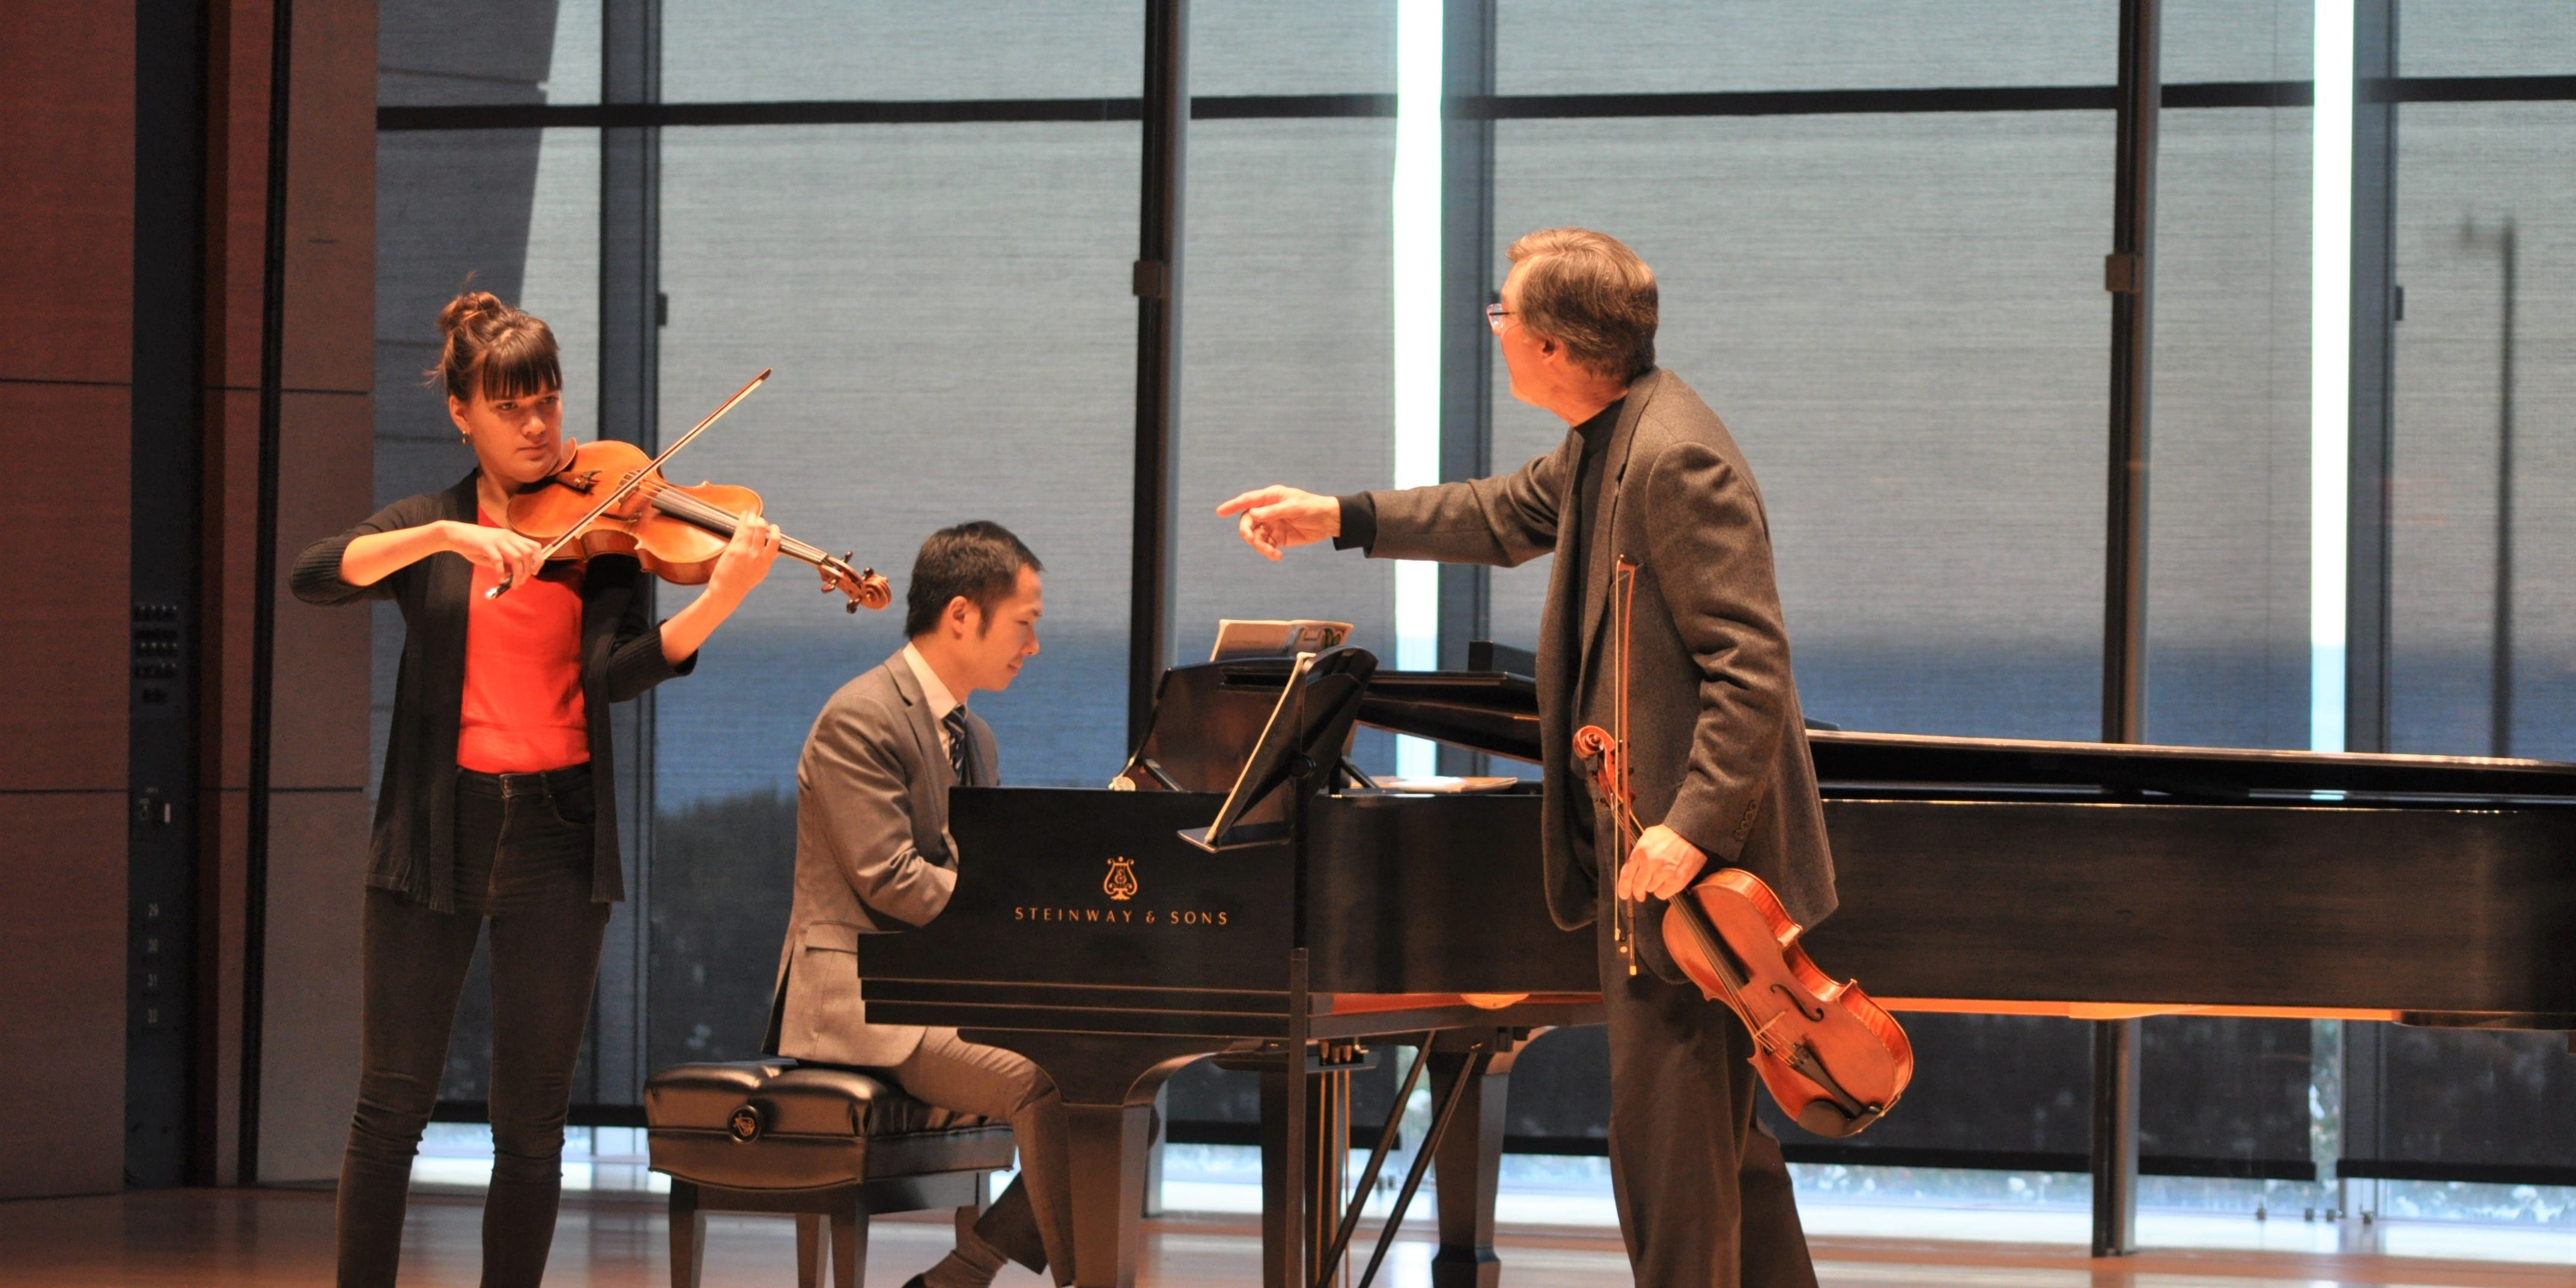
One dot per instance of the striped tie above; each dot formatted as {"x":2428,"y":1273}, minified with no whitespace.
{"x":960,"y":753}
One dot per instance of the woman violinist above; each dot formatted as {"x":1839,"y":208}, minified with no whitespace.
{"x":499,"y":799}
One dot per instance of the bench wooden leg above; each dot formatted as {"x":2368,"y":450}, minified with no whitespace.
{"x":849,"y":1241}
{"x":809,"y":1250}
{"x":688,"y":1235}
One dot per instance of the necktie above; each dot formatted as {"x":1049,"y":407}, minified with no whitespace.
{"x":960,"y":750}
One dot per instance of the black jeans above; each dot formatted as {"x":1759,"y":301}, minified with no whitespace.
{"x":523,"y":861}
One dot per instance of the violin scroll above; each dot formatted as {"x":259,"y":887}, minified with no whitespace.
{"x":1599,"y":753}
{"x":866,"y":588}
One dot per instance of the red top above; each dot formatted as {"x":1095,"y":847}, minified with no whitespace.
{"x":523,"y":705}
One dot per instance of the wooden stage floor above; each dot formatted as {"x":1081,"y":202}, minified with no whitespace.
{"x":282,"y":1238}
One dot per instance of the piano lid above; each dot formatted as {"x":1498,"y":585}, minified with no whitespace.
{"x":1488,"y":711}
{"x":1497,"y":712}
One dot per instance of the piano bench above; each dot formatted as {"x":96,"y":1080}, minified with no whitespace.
{"x":816,"y":1142}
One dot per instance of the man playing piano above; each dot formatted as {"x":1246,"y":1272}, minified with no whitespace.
{"x":873,"y":854}
{"x":1717,"y":745}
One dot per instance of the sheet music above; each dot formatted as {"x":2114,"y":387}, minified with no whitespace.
{"x":1237,"y":639}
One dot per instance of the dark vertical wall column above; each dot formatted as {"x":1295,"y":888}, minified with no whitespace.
{"x":2374,"y":345}
{"x":2130,"y":276}
{"x":166,"y":1028}
{"x":2372,"y":410}
{"x":631,"y":313}
{"x":2500,"y":673}
{"x":630,"y":227}
{"x":1158,"y":353}
{"x":1466,"y":286}
{"x":258,"y":794}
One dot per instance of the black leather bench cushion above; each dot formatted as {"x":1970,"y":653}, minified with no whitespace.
{"x":807,"y":1126}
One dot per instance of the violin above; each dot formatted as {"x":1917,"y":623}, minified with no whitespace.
{"x":1831,"y":1056}
{"x":610,"y":498}
{"x":676,"y":532}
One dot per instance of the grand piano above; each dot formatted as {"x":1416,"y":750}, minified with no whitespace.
{"x":2094,"y":881}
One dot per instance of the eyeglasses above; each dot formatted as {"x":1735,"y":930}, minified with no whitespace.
{"x":1494,"y":315}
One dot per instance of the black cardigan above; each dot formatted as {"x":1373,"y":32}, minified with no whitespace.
{"x":414,"y":847}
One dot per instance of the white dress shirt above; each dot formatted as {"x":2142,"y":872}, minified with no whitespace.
{"x":941,"y":700}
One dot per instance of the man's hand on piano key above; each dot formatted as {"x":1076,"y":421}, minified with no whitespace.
{"x":1662,"y":865}
{"x":1277,"y":517}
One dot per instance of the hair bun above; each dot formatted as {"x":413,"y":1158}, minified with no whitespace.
{"x":465,"y":308}
{"x":486,"y":345}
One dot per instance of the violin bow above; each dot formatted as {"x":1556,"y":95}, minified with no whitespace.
{"x":1608,"y":749}
{"x":635,"y":480}
{"x":1623,"y":585}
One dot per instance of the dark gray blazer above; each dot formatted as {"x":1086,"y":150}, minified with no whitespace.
{"x":414,"y":847}
{"x":1718,"y":743}
{"x":873,"y":854}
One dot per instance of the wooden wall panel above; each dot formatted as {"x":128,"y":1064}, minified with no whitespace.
{"x":322,"y":716}
{"x":64,"y":449}
{"x":66,"y":221}
{"x":62,"y":992}
{"x":67,"y":204}
{"x":316,"y":891}
{"x":331,"y":199}
{"x":325,"y":483}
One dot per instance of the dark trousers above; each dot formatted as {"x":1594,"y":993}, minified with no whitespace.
{"x":523,"y":862}
{"x":1704,"y":1196}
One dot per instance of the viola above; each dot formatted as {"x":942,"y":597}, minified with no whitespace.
{"x":1831,"y":1056}
{"x":611,"y":498}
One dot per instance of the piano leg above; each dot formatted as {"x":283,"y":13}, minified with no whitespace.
{"x":1107,"y":1144}
{"x":1469,"y":1169}
{"x":1328,"y":1135}
{"x":1301,"y":1208}
{"x":1108,"y":1084}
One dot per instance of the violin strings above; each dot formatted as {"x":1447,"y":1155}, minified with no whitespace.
{"x":722,"y":522}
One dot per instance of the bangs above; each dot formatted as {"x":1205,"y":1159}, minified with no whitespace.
{"x":521,"y":363}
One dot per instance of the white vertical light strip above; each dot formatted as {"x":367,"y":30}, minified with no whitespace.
{"x":2329,"y":366}
{"x":1417,"y":333}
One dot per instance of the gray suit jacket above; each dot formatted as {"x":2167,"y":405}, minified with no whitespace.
{"x":873,"y":855}
{"x":1718,"y":743}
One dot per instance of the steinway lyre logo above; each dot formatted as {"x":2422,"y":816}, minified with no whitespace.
{"x":1120,"y":884}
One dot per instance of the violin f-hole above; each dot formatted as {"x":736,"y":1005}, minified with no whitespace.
{"x":1795,"y":1000}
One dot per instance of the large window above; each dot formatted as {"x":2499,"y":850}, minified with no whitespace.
{"x":947,"y":311}
{"x":1287,"y":317}
{"x":2483,"y":514}
{"x":2227,"y":566}
{"x":1879,"y":229}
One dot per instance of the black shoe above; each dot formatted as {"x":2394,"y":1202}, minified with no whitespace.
{"x":916,"y":1282}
